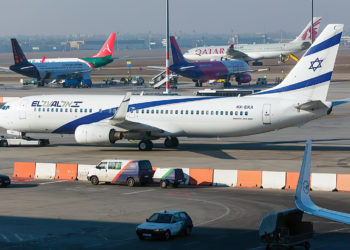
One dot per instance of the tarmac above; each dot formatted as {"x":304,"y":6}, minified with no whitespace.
{"x":56,"y":214}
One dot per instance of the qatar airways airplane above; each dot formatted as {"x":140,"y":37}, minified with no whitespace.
{"x":104,"y":119}
{"x":61,"y":68}
{"x":255,"y":52}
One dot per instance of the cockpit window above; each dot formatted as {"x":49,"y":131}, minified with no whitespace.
{"x":5,"y":107}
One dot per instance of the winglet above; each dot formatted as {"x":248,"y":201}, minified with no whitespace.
{"x":120,"y":115}
{"x":302,"y":193}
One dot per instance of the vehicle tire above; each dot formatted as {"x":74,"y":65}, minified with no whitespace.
{"x":163,"y":184}
{"x":187,"y":231}
{"x":167,"y":235}
{"x":145,"y":145}
{"x":131,"y":182}
{"x":307,"y":245}
{"x":141,"y":237}
{"x":4,"y":143}
{"x":175,"y":184}
{"x":107,"y":182}
{"x":94,"y":180}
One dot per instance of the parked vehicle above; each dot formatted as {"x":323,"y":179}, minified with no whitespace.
{"x":261,"y":80}
{"x":128,"y":172}
{"x":138,"y":80}
{"x":164,"y":225}
{"x":168,"y":176}
{"x":4,"y":180}
{"x":75,"y":83}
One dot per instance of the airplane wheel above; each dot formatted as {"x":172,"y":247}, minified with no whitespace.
{"x":145,"y":145}
{"x":171,"y":142}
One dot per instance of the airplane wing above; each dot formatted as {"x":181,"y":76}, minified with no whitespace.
{"x":155,"y":68}
{"x":302,"y":194}
{"x":139,"y":58}
{"x":235,"y":54}
{"x":120,"y":120}
{"x":5,"y":69}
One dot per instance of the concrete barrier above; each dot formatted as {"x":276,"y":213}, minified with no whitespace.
{"x":292,"y":180}
{"x":187,"y":175}
{"x":249,"y":179}
{"x":323,"y":181}
{"x":83,"y":171}
{"x":225,"y":177}
{"x":201,"y":177}
{"x":45,"y":171}
{"x":66,"y":171}
{"x":8,"y":99}
{"x":343,"y":182}
{"x":271,"y":179}
{"x":24,"y":169}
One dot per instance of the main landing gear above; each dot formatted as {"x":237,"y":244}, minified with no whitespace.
{"x":145,"y":145}
{"x":198,"y":84}
{"x":171,"y":142}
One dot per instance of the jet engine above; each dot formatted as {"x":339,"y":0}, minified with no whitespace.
{"x":96,"y":134}
{"x":243,"y":78}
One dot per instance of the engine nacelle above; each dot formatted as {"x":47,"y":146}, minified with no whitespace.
{"x":243,"y":78}
{"x":96,"y":134}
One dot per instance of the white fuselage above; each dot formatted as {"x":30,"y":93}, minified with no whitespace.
{"x":250,"y":51}
{"x":60,"y":68}
{"x":172,"y":115}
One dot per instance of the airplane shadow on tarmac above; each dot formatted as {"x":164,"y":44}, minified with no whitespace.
{"x":40,"y":233}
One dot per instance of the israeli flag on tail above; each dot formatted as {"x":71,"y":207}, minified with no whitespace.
{"x":310,"y":78}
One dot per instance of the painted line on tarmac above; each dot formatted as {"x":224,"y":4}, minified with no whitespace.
{"x":18,"y":237}
{"x":5,"y":238}
{"x":51,"y":182}
{"x":227,"y":212}
{"x":137,"y":192}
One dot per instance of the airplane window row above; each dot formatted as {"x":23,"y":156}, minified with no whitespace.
{"x":189,"y":112}
{"x":63,"y":110}
{"x":6,"y":107}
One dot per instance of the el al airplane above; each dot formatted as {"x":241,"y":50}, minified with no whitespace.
{"x":302,"y":194}
{"x":255,"y":52}
{"x":61,"y":68}
{"x":201,"y":72}
{"x":104,"y":119}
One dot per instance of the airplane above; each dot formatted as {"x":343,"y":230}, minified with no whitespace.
{"x":46,"y":70}
{"x":201,"y":72}
{"x":105,"y":119}
{"x":255,"y":52}
{"x":302,"y":193}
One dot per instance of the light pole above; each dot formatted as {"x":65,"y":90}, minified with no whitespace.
{"x":167,"y":87}
{"x":312,"y":21}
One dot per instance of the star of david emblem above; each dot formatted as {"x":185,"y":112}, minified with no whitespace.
{"x":316,"y":64}
{"x":306,"y":187}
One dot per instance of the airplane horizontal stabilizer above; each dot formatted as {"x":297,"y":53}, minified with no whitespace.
{"x":340,"y":102}
{"x":302,"y":194}
{"x":312,"y":105}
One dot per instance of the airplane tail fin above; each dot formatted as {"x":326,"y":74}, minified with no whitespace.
{"x":18,"y":54}
{"x":107,"y":48}
{"x":305,"y":35}
{"x":310,"y":78}
{"x":178,"y":58}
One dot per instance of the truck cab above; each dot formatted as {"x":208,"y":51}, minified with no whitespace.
{"x":117,"y":171}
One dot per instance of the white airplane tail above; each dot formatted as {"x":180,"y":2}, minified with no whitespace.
{"x":310,"y":78}
{"x":305,"y":35}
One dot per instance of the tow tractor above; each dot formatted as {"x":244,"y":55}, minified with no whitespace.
{"x":20,"y":139}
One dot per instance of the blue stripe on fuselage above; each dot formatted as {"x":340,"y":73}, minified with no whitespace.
{"x":300,"y":85}
{"x":70,"y":127}
{"x":325,"y":44}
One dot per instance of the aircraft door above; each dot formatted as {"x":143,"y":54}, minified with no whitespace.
{"x":22,"y":109}
{"x":132,"y":112}
{"x":266,"y":114}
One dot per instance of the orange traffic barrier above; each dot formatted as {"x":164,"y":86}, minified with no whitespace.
{"x":66,"y":171}
{"x":249,"y":179}
{"x":201,"y":177}
{"x":292,"y":180}
{"x":343,"y":182}
{"x":24,"y":169}
{"x":1,"y":99}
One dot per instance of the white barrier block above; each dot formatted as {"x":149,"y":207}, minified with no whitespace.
{"x":45,"y":171}
{"x":187,"y":175}
{"x":272,"y":179}
{"x":83,"y":171}
{"x":223,"y":177}
{"x":9,"y":99}
{"x":323,"y":182}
